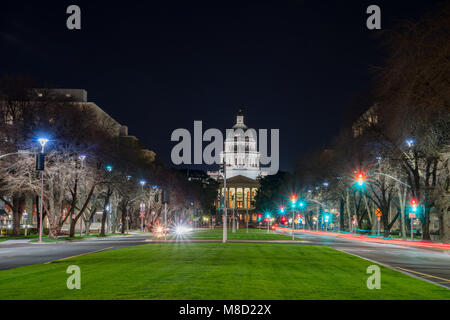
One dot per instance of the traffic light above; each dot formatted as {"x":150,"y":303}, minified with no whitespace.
{"x":282,"y":209}
{"x":259,"y":217}
{"x":293,"y":200}
{"x":40,"y":160}
{"x":360,"y":178}
{"x":414,"y":205}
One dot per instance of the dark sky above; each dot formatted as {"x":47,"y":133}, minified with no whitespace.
{"x":159,"y":65}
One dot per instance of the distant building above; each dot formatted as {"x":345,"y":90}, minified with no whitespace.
{"x":242,"y":170}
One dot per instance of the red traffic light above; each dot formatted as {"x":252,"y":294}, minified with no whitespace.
{"x":414,"y":204}
{"x":360,"y":178}
{"x":293,"y":198}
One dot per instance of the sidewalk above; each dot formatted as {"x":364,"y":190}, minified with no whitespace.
{"x":423,"y":244}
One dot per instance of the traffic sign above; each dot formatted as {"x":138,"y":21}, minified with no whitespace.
{"x":142,"y":215}
{"x":412,"y":215}
{"x":378,"y":212}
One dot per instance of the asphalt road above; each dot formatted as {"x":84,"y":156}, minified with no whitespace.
{"x":428,"y":264}
{"x":15,"y":254}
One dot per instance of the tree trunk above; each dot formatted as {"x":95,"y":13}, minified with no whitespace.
{"x":17,"y":214}
{"x":426,"y":224}
{"x":73,"y":223}
{"x":124,"y":219}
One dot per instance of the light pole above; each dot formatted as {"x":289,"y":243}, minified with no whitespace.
{"x":326,"y":222}
{"x":224,"y":227}
{"x":247,"y":203}
{"x":40,"y":164}
{"x":142,"y":205}
{"x":82,"y":158}
{"x":25,"y":220}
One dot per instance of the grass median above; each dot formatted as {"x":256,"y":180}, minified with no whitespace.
{"x":240,"y":234}
{"x":244,"y":271}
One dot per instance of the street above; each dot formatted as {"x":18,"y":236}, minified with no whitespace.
{"x":15,"y":254}
{"x":428,"y":264}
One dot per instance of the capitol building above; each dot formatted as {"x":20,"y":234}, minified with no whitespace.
{"x":242,"y":171}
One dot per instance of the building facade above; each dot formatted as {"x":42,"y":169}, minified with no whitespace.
{"x":243,"y":169}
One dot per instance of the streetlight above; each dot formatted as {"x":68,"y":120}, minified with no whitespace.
{"x":40,"y":163}
{"x":82,"y":157}
{"x":410,"y":142}
{"x":42,"y":142}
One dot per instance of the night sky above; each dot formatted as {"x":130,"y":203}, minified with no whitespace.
{"x":159,"y":65}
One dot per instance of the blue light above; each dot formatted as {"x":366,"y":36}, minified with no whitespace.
{"x":410,"y":142}
{"x":109,"y":168}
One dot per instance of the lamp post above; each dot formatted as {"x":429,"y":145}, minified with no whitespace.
{"x":25,"y":220}
{"x":142,"y":205}
{"x":224,"y":226}
{"x":82,"y":158}
{"x":40,"y":166}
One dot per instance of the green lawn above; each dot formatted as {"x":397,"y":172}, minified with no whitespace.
{"x":241,"y":234}
{"x":214,"y":271}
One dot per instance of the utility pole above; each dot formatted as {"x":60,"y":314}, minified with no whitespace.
{"x":233,"y":200}
{"x":293,"y":225}
{"x":165,"y":215}
{"x":247,"y":203}
{"x":224,"y":167}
